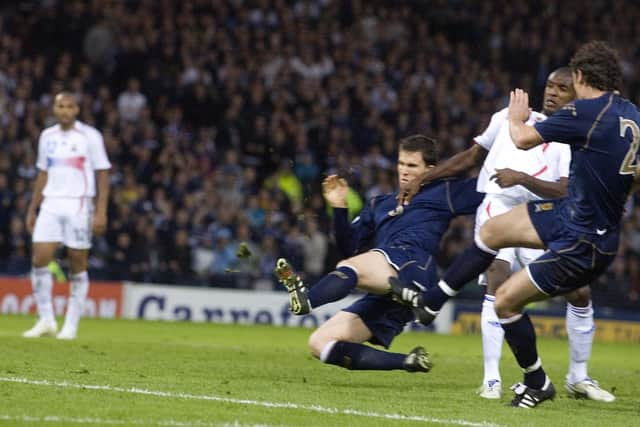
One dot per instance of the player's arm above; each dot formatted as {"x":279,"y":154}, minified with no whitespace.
{"x":101,"y":202}
{"x":349,"y":236}
{"x":36,"y":199}
{"x":525,"y":137}
{"x":457,"y":164}
{"x":335,"y":190}
{"x":546,"y":189}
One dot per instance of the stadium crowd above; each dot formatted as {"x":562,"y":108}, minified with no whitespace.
{"x":221,"y":117}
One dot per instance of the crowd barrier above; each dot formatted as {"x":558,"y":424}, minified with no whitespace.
{"x":180,"y":303}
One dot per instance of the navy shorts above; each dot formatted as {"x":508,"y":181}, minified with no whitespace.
{"x":573,"y":259}
{"x":413,"y":265}
{"x":384,"y":317}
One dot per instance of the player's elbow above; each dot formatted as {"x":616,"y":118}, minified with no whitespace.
{"x":524,"y":143}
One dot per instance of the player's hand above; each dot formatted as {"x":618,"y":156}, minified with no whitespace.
{"x":507,"y":177}
{"x":99,"y":224}
{"x":519,"y":106}
{"x":30,"y":221}
{"x":407,"y":192}
{"x":335,"y":190}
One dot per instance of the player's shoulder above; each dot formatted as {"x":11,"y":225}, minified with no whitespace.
{"x":501,"y":114}
{"x":536,"y":117}
{"x":87,"y":129}
{"x":50,"y":130}
{"x":451,"y":184}
{"x":593,"y":107}
{"x":375,"y":201}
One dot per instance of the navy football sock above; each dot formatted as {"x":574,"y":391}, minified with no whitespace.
{"x":333,"y":287}
{"x":360,"y":357}
{"x":467,"y":266}
{"x":521,"y":337}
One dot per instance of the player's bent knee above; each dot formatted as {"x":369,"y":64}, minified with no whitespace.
{"x":317,"y":341}
{"x":580,"y":297}
{"x":503,"y":306}
{"x":488,"y":232}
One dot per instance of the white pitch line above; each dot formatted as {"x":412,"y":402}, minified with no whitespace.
{"x":102,"y":421}
{"x":276,"y":405}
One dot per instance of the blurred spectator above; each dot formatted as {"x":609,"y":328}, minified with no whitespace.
{"x":131,"y":101}
{"x":217,"y":118}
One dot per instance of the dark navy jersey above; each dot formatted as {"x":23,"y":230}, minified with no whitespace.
{"x":604,"y":135}
{"x":419,"y":225}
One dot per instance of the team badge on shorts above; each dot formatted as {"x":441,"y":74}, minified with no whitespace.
{"x":544,"y":206}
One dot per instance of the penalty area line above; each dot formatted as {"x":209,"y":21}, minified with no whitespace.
{"x":249,"y":402}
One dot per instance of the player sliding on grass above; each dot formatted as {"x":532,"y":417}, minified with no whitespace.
{"x":387,"y":239}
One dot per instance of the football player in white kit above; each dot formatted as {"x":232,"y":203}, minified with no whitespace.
{"x":71,"y":163}
{"x":510,"y":176}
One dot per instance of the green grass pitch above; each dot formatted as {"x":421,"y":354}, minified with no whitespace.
{"x":135,"y":373}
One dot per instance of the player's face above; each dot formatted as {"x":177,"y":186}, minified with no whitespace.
{"x":411,"y":166}
{"x":65,"y":109}
{"x":557,"y":92}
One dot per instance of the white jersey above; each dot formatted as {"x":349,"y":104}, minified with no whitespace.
{"x":548,"y":162}
{"x":70,"y":159}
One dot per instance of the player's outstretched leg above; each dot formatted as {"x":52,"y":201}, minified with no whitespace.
{"x":358,"y":357}
{"x":298,"y":298}
{"x":418,"y":360}
{"x":411,"y":295}
{"x":466,"y":267}
{"x":527,"y":397}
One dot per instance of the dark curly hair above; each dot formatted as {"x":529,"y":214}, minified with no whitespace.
{"x":423,"y":144}
{"x":599,"y":64}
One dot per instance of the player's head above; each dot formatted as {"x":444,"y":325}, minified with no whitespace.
{"x":595,"y":65}
{"x":558,"y":90}
{"x":65,"y":108}
{"x":416,"y":154}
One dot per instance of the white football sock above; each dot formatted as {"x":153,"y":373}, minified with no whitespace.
{"x":492,"y":338}
{"x":42,"y":285}
{"x":580,"y":330}
{"x":79,"y":287}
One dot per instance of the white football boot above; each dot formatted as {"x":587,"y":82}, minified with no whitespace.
{"x":589,"y":389}
{"x":42,"y":328}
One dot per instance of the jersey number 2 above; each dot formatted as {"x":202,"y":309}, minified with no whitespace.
{"x":630,"y":165}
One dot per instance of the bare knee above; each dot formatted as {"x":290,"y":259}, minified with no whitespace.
{"x":77,"y":260}
{"x":42,"y":255}
{"x":317,"y":342}
{"x":503,"y":305}
{"x":579,"y":297}
{"x":487,"y":234}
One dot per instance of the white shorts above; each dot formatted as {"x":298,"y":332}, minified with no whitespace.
{"x":493,"y":205}
{"x":65,"y":220}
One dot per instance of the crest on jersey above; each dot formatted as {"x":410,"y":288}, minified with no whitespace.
{"x":51,"y":146}
{"x":571,"y":108}
{"x":397,"y":211}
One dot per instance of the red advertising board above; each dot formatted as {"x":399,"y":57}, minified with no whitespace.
{"x":104,"y":299}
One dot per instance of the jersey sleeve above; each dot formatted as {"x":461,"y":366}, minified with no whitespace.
{"x":41,"y":161}
{"x":462,"y":196}
{"x":565,"y":125}
{"x":353,"y":237}
{"x":97,"y":152}
{"x":488,"y":136}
